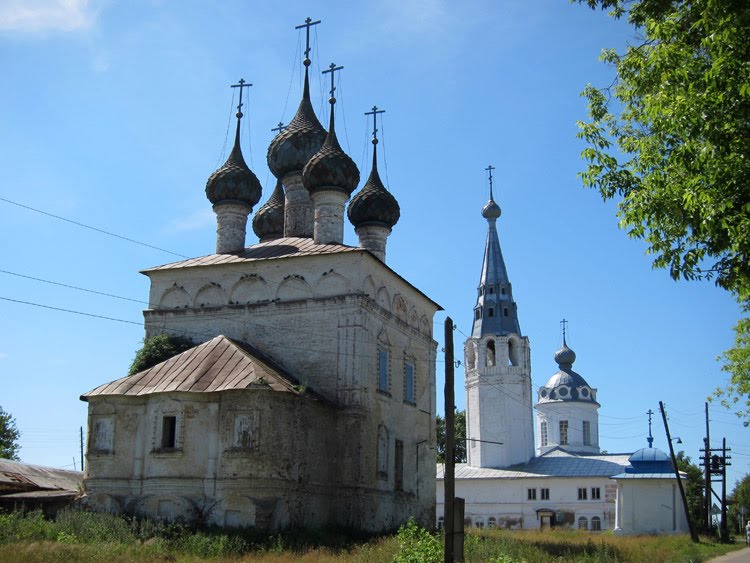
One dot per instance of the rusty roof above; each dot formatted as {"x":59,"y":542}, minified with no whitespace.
{"x":19,"y":477}
{"x":221,"y":364}
{"x":278,"y":248}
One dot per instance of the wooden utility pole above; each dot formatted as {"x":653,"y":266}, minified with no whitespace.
{"x":693,"y":534}
{"x":707,"y":472}
{"x":724,"y":532}
{"x":449,"y":474}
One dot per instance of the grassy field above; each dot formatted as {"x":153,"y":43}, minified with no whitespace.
{"x":81,"y":536}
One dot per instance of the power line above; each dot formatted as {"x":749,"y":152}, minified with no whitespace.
{"x":70,"y":311}
{"x":98,"y":230}
{"x":73,"y":287}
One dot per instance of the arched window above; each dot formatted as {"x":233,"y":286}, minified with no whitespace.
{"x":505,"y":311}
{"x":491,"y":522}
{"x":596,"y":524}
{"x":490,"y":355}
{"x":479,"y":523}
{"x":512,"y":353}
{"x":583,"y":523}
{"x":491,"y":312}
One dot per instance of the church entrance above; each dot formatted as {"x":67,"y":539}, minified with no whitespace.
{"x":546,"y":519}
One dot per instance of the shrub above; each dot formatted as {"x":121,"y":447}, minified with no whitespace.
{"x":417,"y":545}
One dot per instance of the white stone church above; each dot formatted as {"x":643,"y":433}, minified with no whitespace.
{"x":309,"y":397}
{"x":564,"y":481}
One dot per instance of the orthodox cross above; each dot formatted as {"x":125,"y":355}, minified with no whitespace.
{"x":374,"y":113}
{"x":650,"y":438}
{"x":564,"y":324}
{"x":489,"y":169}
{"x":307,"y":25}
{"x":280,"y":127}
{"x":242,"y":85}
{"x":332,"y":68}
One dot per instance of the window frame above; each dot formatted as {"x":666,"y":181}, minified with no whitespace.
{"x":545,"y":493}
{"x":384,"y":370}
{"x":531,"y":494}
{"x":409,"y":366}
{"x":563,"y":430}
{"x":582,"y":493}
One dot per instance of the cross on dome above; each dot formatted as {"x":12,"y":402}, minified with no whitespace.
{"x":307,"y":25}
{"x":241,"y":85}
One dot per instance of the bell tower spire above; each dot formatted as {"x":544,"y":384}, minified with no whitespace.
{"x":499,"y":420}
{"x":495,"y":311}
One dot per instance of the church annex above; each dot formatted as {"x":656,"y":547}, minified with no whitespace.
{"x":309,"y":397}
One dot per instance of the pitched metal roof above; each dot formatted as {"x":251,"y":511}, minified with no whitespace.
{"x":221,"y":364}
{"x":284,"y":247}
{"x":20,"y":477}
{"x":556,"y":463}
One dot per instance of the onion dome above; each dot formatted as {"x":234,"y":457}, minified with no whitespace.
{"x":234,"y":181}
{"x":331,"y":168}
{"x":491,"y":210}
{"x":374,"y":204}
{"x":565,"y":384}
{"x":301,"y":139}
{"x":269,"y":220}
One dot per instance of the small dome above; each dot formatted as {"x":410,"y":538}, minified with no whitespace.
{"x":268,"y":222}
{"x":374,"y":204}
{"x":565,"y":356}
{"x":293,"y":147}
{"x":650,"y":460}
{"x":330,"y":168}
{"x":491,"y":210}
{"x":648,"y":455}
{"x":234,"y":181}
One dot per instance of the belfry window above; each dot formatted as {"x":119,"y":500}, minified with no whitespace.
{"x":478,"y":314}
{"x":490,"y":354}
{"x":492,"y":290}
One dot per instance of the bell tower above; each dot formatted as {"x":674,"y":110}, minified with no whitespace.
{"x":499,"y":421}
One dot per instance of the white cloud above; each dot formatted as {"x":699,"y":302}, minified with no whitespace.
{"x":35,"y":16}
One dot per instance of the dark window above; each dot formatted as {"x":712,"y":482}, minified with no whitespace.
{"x":490,"y":355}
{"x":583,"y":523}
{"x":503,"y":291}
{"x":581,"y":493}
{"x":563,"y":432}
{"x":409,"y":395}
{"x":596,"y":524}
{"x":531,"y":494}
{"x":596,"y":493}
{"x":168,"y":431}
{"x":545,"y":494}
{"x":505,"y":311}
{"x":383,"y":370}
{"x":491,"y":312}
{"x":478,"y":314}
{"x":398,"y":467}
{"x":492,"y":290}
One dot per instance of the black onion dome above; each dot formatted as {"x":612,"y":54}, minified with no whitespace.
{"x":293,"y":147}
{"x":491,"y":210}
{"x":374,"y":204}
{"x":234,"y":181}
{"x":269,"y":220}
{"x":331,"y":168}
{"x":565,"y":356}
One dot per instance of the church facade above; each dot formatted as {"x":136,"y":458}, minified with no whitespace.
{"x":569,"y":482}
{"x":309,"y":396}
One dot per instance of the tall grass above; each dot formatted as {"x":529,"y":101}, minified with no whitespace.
{"x":85,"y":536}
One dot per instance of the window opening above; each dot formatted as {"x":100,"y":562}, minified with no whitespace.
{"x":409,"y":395}
{"x":490,"y":356}
{"x":583,"y":523}
{"x":383,"y":371}
{"x":545,"y":494}
{"x":563,"y":432}
{"x":398,"y":470}
{"x":543,"y":432}
{"x":582,"y":493}
{"x":531,"y":494}
{"x":596,"y":493}
{"x":491,"y":312}
{"x":596,"y":524}
{"x":586,"y":433}
{"x":505,"y":311}
{"x":168,"y":431}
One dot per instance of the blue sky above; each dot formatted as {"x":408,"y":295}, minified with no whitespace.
{"x":114,"y":114}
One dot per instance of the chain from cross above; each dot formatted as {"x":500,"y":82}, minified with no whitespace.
{"x":489,"y":169}
{"x":307,"y":25}
{"x":280,"y":127}
{"x":374,"y":113}
{"x":332,"y":68}
{"x":242,"y":85}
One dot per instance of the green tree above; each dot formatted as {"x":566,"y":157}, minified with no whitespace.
{"x":693,"y":489}
{"x":669,"y":139}
{"x":9,"y":435}
{"x":741,"y":497}
{"x":157,"y":349}
{"x":459,"y":452}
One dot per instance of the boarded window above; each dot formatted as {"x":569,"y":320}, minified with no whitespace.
{"x":383,"y":370}
{"x":398,"y":467}
{"x":103,"y":435}
{"x":168,"y":431}
{"x":409,"y":394}
{"x":586,"y":433}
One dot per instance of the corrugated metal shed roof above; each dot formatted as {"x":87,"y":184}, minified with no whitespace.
{"x":665,"y":475}
{"x":18,"y":477}
{"x":278,"y":248}
{"x":221,"y":364}
{"x":558,"y":464}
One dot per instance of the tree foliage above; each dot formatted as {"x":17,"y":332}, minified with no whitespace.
{"x":741,"y":497}
{"x":459,"y":451}
{"x":157,"y":349}
{"x":669,"y":139}
{"x":694,"y":487}
{"x":9,"y":435}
